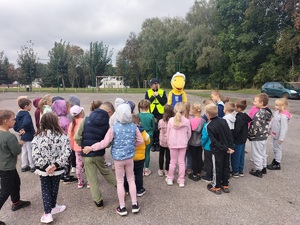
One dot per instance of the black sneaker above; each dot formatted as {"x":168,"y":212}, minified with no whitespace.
{"x":206,"y":179}
{"x":141,"y":192}
{"x":264,"y":170}
{"x":256,"y":173}
{"x":135,"y":208}
{"x":68,"y":180}
{"x":194,"y":177}
{"x":121,"y":212}
{"x":25,"y":169}
{"x":20,"y":205}
{"x":32,"y":170}
{"x":2,"y":223}
{"x":235,"y":175}
{"x":100,"y":204}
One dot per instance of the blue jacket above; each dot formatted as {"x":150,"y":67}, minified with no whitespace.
{"x":123,"y":143}
{"x":95,"y":127}
{"x":24,"y":121}
{"x":205,"y":141}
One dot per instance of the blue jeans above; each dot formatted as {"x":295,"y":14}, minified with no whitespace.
{"x":238,"y":158}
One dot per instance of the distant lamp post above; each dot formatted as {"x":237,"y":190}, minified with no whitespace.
{"x":30,"y":77}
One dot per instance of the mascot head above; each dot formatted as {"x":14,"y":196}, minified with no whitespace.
{"x":178,"y":82}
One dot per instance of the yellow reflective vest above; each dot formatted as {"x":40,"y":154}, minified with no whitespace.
{"x":160,"y":108}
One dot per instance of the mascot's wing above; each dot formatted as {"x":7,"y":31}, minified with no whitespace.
{"x":184,"y":97}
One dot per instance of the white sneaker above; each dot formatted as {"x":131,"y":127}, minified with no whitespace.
{"x":107,"y":164}
{"x":46,"y":218}
{"x":88,"y":185}
{"x":160,"y":173}
{"x":181,"y":185}
{"x":58,"y":209}
{"x":166,"y":172}
{"x":73,"y":170}
{"x":169,"y":181}
{"x":147,"y":172}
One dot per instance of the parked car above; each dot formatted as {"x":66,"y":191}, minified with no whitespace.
{"x":280,"y":89}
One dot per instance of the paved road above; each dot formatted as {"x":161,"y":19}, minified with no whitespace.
{"x":273,"y":199}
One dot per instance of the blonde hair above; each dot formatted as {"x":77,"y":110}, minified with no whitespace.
{"x":283,"y":102}
{"x":179,"y":110}
{"x":197,"y":107}
{"x":211,"y":110}
{"x":47,"y":98}
{"x":144,"y":105}
{"x":264,"y":98}
{"x":229,"y":107}
{"x":207,"y":101}
{"x":95,"y":105}
{"x":216,"y":93}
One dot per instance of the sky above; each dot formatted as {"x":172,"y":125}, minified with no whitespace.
{"x":78,"y":22}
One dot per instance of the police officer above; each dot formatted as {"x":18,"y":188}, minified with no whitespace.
{"x":158,"y":99}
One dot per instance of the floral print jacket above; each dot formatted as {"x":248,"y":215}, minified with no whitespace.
{"x":50,"y":148}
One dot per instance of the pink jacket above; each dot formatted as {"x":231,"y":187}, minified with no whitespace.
{"x":162,"y":126}
{"x":73,"y":144}
{"x":178,"y":136}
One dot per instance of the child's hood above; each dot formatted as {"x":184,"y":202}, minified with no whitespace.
{"x":74,"y":100}
{"x":230,"y":117}
{"x":59,"y":107}
{"x":118,"y":102}
{"x":123,"y":113}
{"x":266,"y":113}
{"x":184,"y":123}
{"x":246,"y":118}
{"x":36,"y":102}
{"x":21,"y":114}
{"x":287,"y":114}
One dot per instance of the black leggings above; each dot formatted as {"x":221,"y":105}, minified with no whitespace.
{"x":197,"y":162}
{"x":164,"y":152}
{"x":50,"y":186}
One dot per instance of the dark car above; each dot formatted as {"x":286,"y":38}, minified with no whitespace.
{"x":280,"y":89}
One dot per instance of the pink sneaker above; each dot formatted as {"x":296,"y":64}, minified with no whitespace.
{"x":46,"y":218}
{"x":147,"y":172}
{"x":58,"y":209}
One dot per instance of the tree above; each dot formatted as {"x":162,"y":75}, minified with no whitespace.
{"x":4,"y":69}
{"x":59,"y":63}
{"x":27,"y":62}
{"x":76,"y":55}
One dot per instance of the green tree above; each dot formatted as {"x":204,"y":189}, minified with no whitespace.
{"x":76,"y":56}
{"x":27,"y":61}
{"x":59,"y":63}
{"x":4,"y":69}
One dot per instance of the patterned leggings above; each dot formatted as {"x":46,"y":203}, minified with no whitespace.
{"x":49,"y":185}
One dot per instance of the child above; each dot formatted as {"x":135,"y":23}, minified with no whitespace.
{"x":92,"y":129}
{"x":278,"y":129}
{"x":124,"y":136}
{"x":61,"y":109}
{"x":178,"y":135}
{"x":139,"y":159}
{"x":24,"y":127}
{"x":221,"y":147}
{"x":216,"y":97}
{"x":208,"y":164}
{"x":10,"y":148}
{"x":77,"y":114}
{"x":45,"y":104}
{"x":148,"y":122}
{"x":206,"y":102}
{"x":258,"y":134}
{"x":37,"y":112}
{"x":51,"y":150}
{"x":229,"y":114}
{"x":188,"y":155}
{"x":240,"y":134}
{"x":163,"y":144}
{"x":195,"y":142}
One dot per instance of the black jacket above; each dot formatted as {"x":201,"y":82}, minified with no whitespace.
{"x":240,"y":132}
{"x":220,"y":135}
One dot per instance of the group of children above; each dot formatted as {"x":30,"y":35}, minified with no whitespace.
{"x":63,"y":131}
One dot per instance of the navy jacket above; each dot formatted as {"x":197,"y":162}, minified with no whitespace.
{"x":24,"y":121}
{"x":95,"y":127}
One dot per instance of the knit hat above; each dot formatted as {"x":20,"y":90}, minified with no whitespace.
{"x":118,"y":102}
{"x":75,"y":110}
{"x":132,"y":105}
{"x":123,"y":113}
{"x":74,"y":100}
{"x":57,"y":98}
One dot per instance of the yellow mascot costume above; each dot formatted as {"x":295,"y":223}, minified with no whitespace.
{"x":177,"y":94}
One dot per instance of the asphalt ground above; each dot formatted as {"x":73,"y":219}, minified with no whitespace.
{"x":273,"y":199}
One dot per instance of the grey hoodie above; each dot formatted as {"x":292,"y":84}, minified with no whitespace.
{"x":279,"y":125}
{"x":230,"y":119}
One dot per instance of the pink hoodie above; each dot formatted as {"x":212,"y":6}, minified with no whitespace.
{"x":178,"y":136}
